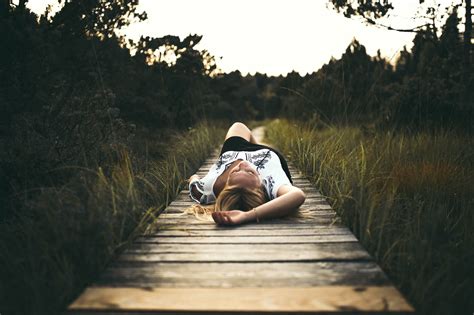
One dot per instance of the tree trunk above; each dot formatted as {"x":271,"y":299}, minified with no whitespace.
{"x":467,"y":39}
{"x":467,"y":77}
{"x":4,"y":7}
{"x":22,"y":4}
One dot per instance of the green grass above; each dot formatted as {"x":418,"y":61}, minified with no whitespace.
{"x":408,"y":199}
{"x":65,"y":236}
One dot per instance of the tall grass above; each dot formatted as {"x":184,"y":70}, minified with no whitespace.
{"x":408,"y":198}
{"x":65,"y":236}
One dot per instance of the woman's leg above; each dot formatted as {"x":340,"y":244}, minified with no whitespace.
{"x":241,"y":130}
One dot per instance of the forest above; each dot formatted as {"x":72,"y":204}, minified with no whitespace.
{"x":96,"y":140}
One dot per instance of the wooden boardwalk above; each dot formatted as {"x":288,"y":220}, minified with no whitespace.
{"x":278,"y":266}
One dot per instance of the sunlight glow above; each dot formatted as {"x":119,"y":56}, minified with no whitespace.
{"x":271,"y":36}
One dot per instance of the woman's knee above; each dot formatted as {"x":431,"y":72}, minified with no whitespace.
{"x":239,"y":129}
{"x":239,"y":125}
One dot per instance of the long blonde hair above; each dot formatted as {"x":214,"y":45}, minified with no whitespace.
{"x":231,"y":197}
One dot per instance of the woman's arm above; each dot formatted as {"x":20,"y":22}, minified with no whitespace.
{"x":289,"y":199}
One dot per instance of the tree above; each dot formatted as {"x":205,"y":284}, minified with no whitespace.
{"x":467,"y":40}
{"x":371,"y":10}
{"x":99,"y":18}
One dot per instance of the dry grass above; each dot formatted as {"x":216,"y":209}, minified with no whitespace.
{"x":64,"y":237}
{"x":408,"y":198}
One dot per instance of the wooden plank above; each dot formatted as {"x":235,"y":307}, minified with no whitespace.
{"x":253,"y":232}
{"x":191,"y":220}
{"x":250,"y":239}
{"x":311,"y":210}
{"x":238,"y":274}
{"x":317,"y":207}
{"x":143,"y":252}
{"x":299,"y":180}
{"x":310,"y":202}
{"x":314,"y":213}
{"x":319,"y":210}
{"x":315,"y":203}
{"x":306,"y":185}
{"x":245,"y":227}
{"x":244,"y":299}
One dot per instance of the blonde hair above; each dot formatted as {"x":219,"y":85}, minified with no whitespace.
{"x":231,"y":197}
{"x":241,"y":198}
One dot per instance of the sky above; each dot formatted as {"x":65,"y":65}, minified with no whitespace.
{"x":272,"y":36}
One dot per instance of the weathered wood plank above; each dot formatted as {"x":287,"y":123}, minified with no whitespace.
{"x":316,"y":212}
{"x":232,"y":274}
{"x":250,"y":239}
{"x":145,"y":252}
{"x":245,"y":299}
{"x":253,"y":232}
{"x":245,"y":227}
{"x":320,"y":210}
{"x":190,"y":220}
{"x":317,"y":204}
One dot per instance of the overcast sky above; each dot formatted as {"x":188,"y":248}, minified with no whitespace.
{"x":271,"y":36}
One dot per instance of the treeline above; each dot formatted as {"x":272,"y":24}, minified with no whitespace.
{"x":427,"y":88}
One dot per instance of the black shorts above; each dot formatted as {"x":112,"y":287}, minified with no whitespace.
{"x":236,"y":143}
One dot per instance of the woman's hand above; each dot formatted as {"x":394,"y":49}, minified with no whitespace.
{"x":230,"y":217}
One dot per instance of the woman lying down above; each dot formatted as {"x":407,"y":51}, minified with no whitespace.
{"x":250,"y":182}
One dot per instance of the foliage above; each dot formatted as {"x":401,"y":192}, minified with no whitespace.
{"x":425,"y":90}
{"x":368,"y":9}
{"x":407,"y":198}
{"x":53,"y":60}
{"x":85,"y":148}
{"x":62,"y":237}
{"x":343,"y":89}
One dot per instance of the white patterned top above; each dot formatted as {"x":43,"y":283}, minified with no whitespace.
{"x":266,"y":162}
